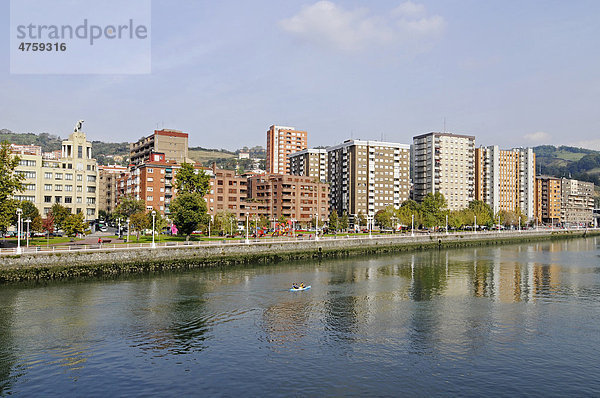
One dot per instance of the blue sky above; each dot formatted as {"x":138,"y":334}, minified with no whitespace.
{"x":512,"y":73}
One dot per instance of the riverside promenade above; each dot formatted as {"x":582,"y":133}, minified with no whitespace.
{"x":95,"y":260}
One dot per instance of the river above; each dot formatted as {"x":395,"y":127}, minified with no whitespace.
{"x":501,"y":321}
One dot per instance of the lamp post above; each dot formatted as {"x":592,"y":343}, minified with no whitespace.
{"x":317,"y":227}
{"x":412,"y":227}
{"x":446,"y":224}
{"x":370,"y":222}
{"x":209,"y":221}
{"x":19,"y":212}
{"x":247,"y":240}
{"x":28,"y":221}
{"x":153,"y":218}
{"x":256,"y":225}
{"x":231,"y":227}
{"x":293,"y":220}
{"x":119,"y":226}
{"x":475,"y":230}
{"x":128,"y":221}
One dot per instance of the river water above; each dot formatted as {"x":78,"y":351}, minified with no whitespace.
{"x":501,"y":321}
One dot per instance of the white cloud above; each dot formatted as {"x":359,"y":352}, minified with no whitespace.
{"x":327,"y":24}
{"x":590,"y":144}
{"x":537,"y":137}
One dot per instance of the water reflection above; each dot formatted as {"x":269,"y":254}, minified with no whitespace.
{"x":425,"y":307}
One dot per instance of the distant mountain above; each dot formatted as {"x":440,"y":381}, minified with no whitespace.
{"x":564,"y":161}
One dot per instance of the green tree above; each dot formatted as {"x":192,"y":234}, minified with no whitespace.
{"x":160,"y":222}
{"x":74,"y":224}
{"x":360,"y":219}
{"x":29,"y":211}
{"x":225,"y":222}
{"x":189,"y":180}
{"x":406,"y":212}
{"x":10,"y":183}
{"x":344,"y":221}
{"x":189,"y":212}
{"x":139,"y":222}
{"x":263,"y":222}
{"x":60,"y":214}
{"x":333,"y":221}
{"x":129,"y":205}
{"x":384,"y":216}
{"x":484,"y":213}
{"x":433,"y":210}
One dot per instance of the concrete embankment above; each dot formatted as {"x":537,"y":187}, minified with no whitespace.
{"x":46,"y":266}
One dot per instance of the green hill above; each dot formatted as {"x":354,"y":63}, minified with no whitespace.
{"x":564,"y":161}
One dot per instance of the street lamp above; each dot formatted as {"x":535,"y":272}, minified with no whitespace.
{"x":293,"y":220}
{"x":153,"y":218}
{"x":247,"y":240}
{"x":119,"y":226}
{"x":317,"y":227}
{"x":256,"y":225}
{"x":19,"y":212}
{"x":370,"y":222}
{"x":475,"y":230}
{"x":209,"y":221}
{"x":128,"y":220}
{"x":446,"y":224}
{"x":28,"y":221}
{"x":412,"y":227}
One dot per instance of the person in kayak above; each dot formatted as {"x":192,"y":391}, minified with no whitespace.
{"x":302,"y":285}
{"x":295,"y":285}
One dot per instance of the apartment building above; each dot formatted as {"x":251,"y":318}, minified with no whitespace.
{"x":309,"y":162}
{"x":227,"y":192}
{"x":505,"y":179}
{"x":548,"y":200}
{"x":151,"y":181}
{"x":172,"y":143}
{"x":577,"y":202}
{"x":68,"y":177}
{"x":367,"y":176}
{"x":281,"y":142}
{"x":445,"y":163}
{"x":293,"y":197}
{"x":108,"y":177}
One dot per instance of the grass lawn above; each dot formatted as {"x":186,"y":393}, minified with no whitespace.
{"x":42,"y":241}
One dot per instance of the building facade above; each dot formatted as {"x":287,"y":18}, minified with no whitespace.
{"x":548,"y":200}
{"x":445,"y":163}
{"x":505,"y":179}
{"x":367,"y":176}
{"x":281,"y":142}
{"x":108,"y":177}
{"x":292,"y":197}
{"x":67,"y":177}
{"x":577,"y":202}
{"x":227,"y":193}
{"x":172,"y":143}
{"x":309,"y":162}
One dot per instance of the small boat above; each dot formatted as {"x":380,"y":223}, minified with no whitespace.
{"x":300,"y":289}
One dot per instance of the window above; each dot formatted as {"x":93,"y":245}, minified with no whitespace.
{"x":149,"y":198}
{"x":69,"y":177}
{"x":27,"y":163}
{"x":78,"y":200}
{"x":68,"y":199}
{"x":47,"y":187}
{"x":150,"y":179}
{"x":47,"y":199}
{"x":79,"y":188}
{"x":58,"y":199}
{"x":150,"y":170}
{"x":80,"y":151}
{"x":28,"y":174}
{"x":58,"y":187}
{"x":91,"y":212}
{"x":58,"y":176}
{"x":30,"y":187}
{"x":79,"y":177}
{"x":91,"y":178}
{"x":150,"y":189}
{"x":69,"y":188}
{"x":48,"y":176}
{"x":91,"y":189}
{"x":91,"y":201}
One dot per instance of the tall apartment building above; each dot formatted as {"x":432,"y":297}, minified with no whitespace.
{"x":281,"y":142}
{"x":548,"y":199}
{"x":505,"y":179}
{"x":577,"y":202}
{"x":309,"y":162}
{"x":293,"y":197}
{"x":108,"y":177}
{"x":67,"y":177}
{"x":445,"y":163}
{"x":172,"y":143}
{"x":227,"y":192}
{"x":367,"y":176}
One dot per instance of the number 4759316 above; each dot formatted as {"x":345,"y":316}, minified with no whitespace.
{"x":42,"y":46}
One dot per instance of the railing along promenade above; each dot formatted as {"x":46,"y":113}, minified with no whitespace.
{"x":418,"y":236}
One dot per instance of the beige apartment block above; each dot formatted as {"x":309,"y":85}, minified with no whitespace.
{"x":577,"y":202}
{"x":172,"y":143}
{"x":310,"y":163}
{"x":68,"y":177}
{"x":445,"y":163}
{"x":505,"y":179}
{"x":108,"y":177}
{"x":282,"y":142}
{"x":367,"y":176}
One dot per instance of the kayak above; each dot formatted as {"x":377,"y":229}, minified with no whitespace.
{"x":300,"y":289}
